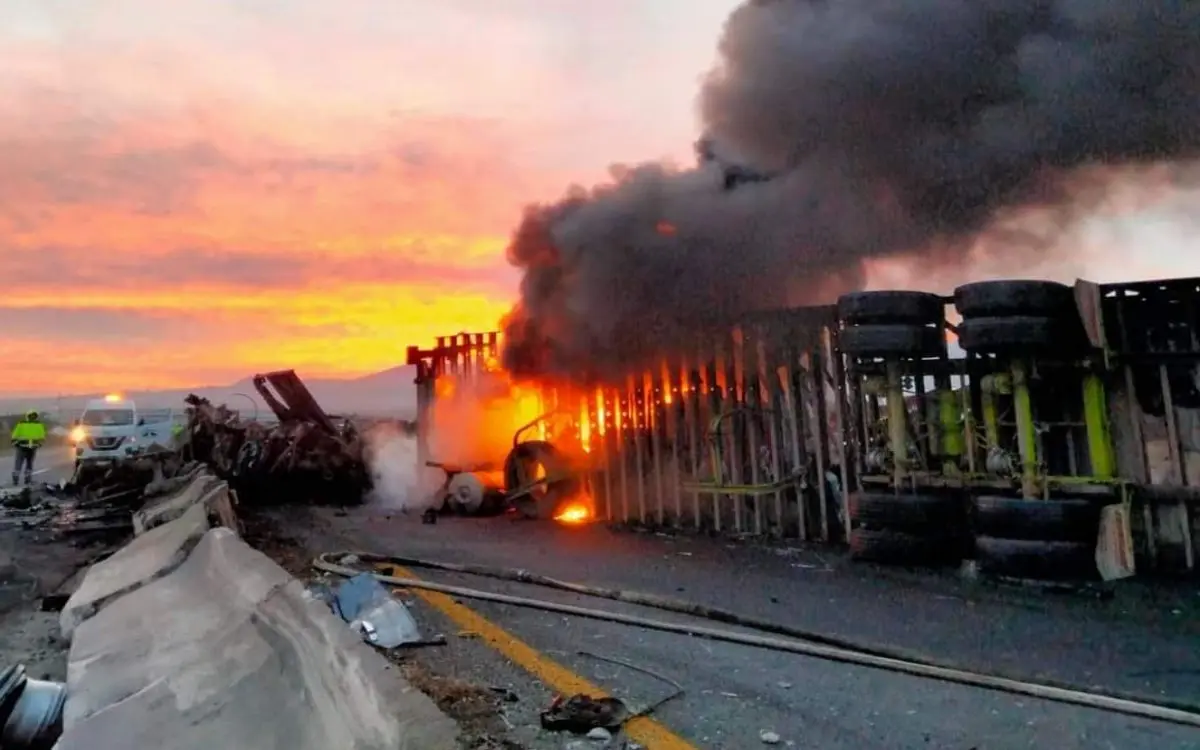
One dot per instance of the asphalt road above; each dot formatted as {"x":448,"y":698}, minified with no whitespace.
{"x":53,"y":463}
{"x":1135,"y":642}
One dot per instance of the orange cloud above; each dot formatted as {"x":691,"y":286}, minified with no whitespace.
{"x":194,"y":190}
{"x":160,"y":250}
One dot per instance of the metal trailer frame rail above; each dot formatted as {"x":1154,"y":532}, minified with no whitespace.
{"x":764,"y":428}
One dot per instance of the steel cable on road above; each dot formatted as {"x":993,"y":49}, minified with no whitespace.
{"x":817,"y":645}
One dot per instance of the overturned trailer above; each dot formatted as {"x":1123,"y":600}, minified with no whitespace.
{"x":1015,"y":424}
{"x":305,"y":456}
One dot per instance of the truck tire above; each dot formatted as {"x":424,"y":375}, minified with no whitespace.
{"x":1037,"y":520}
{"x":987,"y":299}
{"x":520,"y":468}
{"x":1041,"y":561}
{"x":1020,"y":333}
{"x":928,"y":515}
{"x":898,"y":548}
{"x":879,"y":340}
{"x":890,"y":307}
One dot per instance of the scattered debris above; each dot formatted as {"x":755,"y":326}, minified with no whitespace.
{"x":594,"y":717}
{"x":371,"y":610}
{"x":580,"y":714}
{"x":94,"y":508}
{"x":19,"y":500}
{"x":477,"y":709}
{"x":305,"y":457}
{"x":32,"y":710}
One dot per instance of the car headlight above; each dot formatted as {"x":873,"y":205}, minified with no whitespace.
{"x":78,"y":434}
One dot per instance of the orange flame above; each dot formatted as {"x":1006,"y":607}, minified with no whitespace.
{"x":585,"y":428}
{"x":573,"y":514}
{"x":473,"y":420}
{"x":601,"y":413}
{"x":666,"y":229}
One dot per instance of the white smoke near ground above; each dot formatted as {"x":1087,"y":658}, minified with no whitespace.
{"x":399,"y":483}
{"x":470,"y":424}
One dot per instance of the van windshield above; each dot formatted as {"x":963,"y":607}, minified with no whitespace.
{"x":108,"y":418}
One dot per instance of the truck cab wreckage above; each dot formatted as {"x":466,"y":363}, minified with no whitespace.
{"x":1029,"y":429}
{"x":304,"y":454}
{"x":534,"y":463}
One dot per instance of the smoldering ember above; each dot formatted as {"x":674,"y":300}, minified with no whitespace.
{"x":707,"y":485}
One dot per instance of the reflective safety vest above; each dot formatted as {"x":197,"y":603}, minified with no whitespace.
{"x":26,"y":434}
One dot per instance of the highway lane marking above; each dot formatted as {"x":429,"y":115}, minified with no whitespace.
{"x":645,"y":731}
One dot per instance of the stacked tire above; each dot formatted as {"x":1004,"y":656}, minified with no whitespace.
{"x":1046,"y":540}
{"x":891,"y":324}
{"x":1019,"y":317}
{"x":890,"y":528}
{"x":1043,"y":540}
{"x":919,"y":530}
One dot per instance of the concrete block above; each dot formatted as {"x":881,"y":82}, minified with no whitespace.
{"x":221,"y":503}
{"x":147,"y":557}
{"x":167,"y":508}
{"x":229,"y":651}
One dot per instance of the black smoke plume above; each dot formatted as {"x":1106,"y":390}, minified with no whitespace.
{"x":864,"y":129}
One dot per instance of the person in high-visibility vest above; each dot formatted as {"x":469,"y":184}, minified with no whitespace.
{"x":27,"y":436}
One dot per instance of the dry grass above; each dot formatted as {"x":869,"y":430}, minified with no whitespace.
{"x":476,"y":708}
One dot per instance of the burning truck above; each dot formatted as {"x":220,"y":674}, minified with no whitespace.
{"x":501,"y":446}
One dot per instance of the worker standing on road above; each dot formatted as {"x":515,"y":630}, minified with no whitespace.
{"x":27,"y":436}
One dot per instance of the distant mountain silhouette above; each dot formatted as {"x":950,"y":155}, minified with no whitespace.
{"x":389,"y":393}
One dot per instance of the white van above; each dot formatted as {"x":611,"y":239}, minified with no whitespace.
{"x":109,"y":430}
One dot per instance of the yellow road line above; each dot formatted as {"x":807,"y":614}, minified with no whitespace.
{"x":643,"y":730}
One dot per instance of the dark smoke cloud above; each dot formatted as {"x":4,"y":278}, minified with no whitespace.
{"x":887,"y":127}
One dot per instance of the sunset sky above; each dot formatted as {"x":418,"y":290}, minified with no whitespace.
{"x":194,"y":190}
{"x":198,"y":189}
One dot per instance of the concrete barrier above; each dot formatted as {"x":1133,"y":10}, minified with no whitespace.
{"x":149,"y":556}
{"x":223,"y":648}
{"x":203,"y":489}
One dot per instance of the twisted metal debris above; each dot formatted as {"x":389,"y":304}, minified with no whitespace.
{"x":306,"y":456}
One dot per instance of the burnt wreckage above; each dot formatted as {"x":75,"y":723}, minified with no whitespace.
{"x":306,"y":456}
